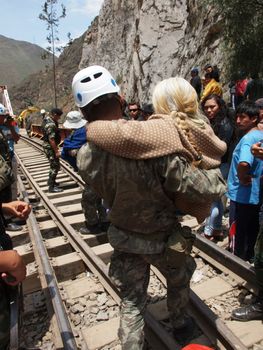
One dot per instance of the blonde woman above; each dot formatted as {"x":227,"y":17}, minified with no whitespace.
{"x":178,"y":126}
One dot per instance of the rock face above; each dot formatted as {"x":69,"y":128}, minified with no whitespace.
{"x":142,"y":42}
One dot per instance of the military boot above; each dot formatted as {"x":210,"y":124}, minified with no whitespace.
{"x":54,"y":189}
{"x":185,"y":333}
{"x":253,"y":311}
{"x":90,"y":229}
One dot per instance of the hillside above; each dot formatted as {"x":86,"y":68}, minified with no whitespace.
{"x":141,"y":43}
{"x":18,"y":60}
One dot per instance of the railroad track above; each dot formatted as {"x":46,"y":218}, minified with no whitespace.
{"x":67,"y":275}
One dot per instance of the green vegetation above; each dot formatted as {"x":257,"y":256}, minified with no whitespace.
{"x":243,"y":33}
{"x":50,"y":16}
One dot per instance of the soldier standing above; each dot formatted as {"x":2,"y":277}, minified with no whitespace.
{"x":51,"y":141}
{"x":144,"y":227}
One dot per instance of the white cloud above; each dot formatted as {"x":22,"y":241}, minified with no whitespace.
{"x":90,"y":8}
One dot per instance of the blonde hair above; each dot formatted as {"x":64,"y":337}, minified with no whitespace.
{"x":176,"y":97}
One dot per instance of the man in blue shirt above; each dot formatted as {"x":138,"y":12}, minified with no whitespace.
{"x":254,"y":311}
{"x":95,"y":213}
{"x":244,"y":184}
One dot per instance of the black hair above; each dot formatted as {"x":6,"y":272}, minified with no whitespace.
{"x":134,"y":103}
{"x":249,"y":108}
{"x":222,"y":113}
{"x":89,"y":111}
{"x":57,"y":111}
{"x":208,"y":65}
{"x":259,"y":103}
{"x":209,"y":75}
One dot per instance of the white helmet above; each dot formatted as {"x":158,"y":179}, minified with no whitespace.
{"x":92,"y":82}
{"x":3,"y":110}
{"x":42,"y":111}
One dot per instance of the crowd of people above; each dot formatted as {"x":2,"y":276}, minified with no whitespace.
{"x":187,"y":152}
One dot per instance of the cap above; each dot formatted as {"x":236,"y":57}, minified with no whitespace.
{"x":74,"y":120}
{"x":195,"y":70}
{"x":42,"y":111}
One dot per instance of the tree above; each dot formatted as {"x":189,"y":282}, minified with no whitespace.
{"x":50,"y":16}
{"x":243,"y":33}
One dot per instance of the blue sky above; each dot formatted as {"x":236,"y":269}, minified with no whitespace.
{"x":19,"y":19}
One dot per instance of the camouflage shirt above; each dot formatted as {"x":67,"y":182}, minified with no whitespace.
{"x":6,"y":175}
{"x":50,"y":130}
{"x":4,"y":149}
{"x":140,"y":193}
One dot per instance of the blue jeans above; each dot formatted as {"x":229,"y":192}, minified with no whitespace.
{"x":214,"y":221}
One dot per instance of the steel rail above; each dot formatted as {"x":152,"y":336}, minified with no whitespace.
{"x":218,"y":329}
{"x":63,"y":163}
{"x":234,"y":264}
{"x":227,"y":259}
{"x":65,"y":329}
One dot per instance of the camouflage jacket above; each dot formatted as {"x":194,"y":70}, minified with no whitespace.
{"x":6,"y":175}
{"x":140,"y":193}
{"x":50,"y":130}
{"x":4,"y":149}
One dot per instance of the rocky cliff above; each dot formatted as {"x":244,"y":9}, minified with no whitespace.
{"x":141,"y":42}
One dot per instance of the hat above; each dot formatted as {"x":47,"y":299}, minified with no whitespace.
{"x":195,"y":70}
{"x":42,"y":111}
{"x":74,"y":120}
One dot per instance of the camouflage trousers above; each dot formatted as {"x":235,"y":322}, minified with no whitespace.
{"x":131,"y":273}
{"x":92,"y":207}
{"x":54,"y":163}
{"x":258,"y":260}
{"x":4,"y":317}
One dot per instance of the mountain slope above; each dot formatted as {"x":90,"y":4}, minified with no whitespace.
{"x":141,"y":43}
{"x":19,"y":59}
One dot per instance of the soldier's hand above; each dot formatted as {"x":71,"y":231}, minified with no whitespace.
{"x":57,"y":154}
{"x":15,"y":269}
{"x":19,"y":209}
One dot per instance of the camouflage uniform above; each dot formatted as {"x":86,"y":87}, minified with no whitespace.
{"x":50,"y":131}
{"x":6,"y":179}
{"x":6,"y":195}
{"x":145,"y":230}
{"x":93,"y":209}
